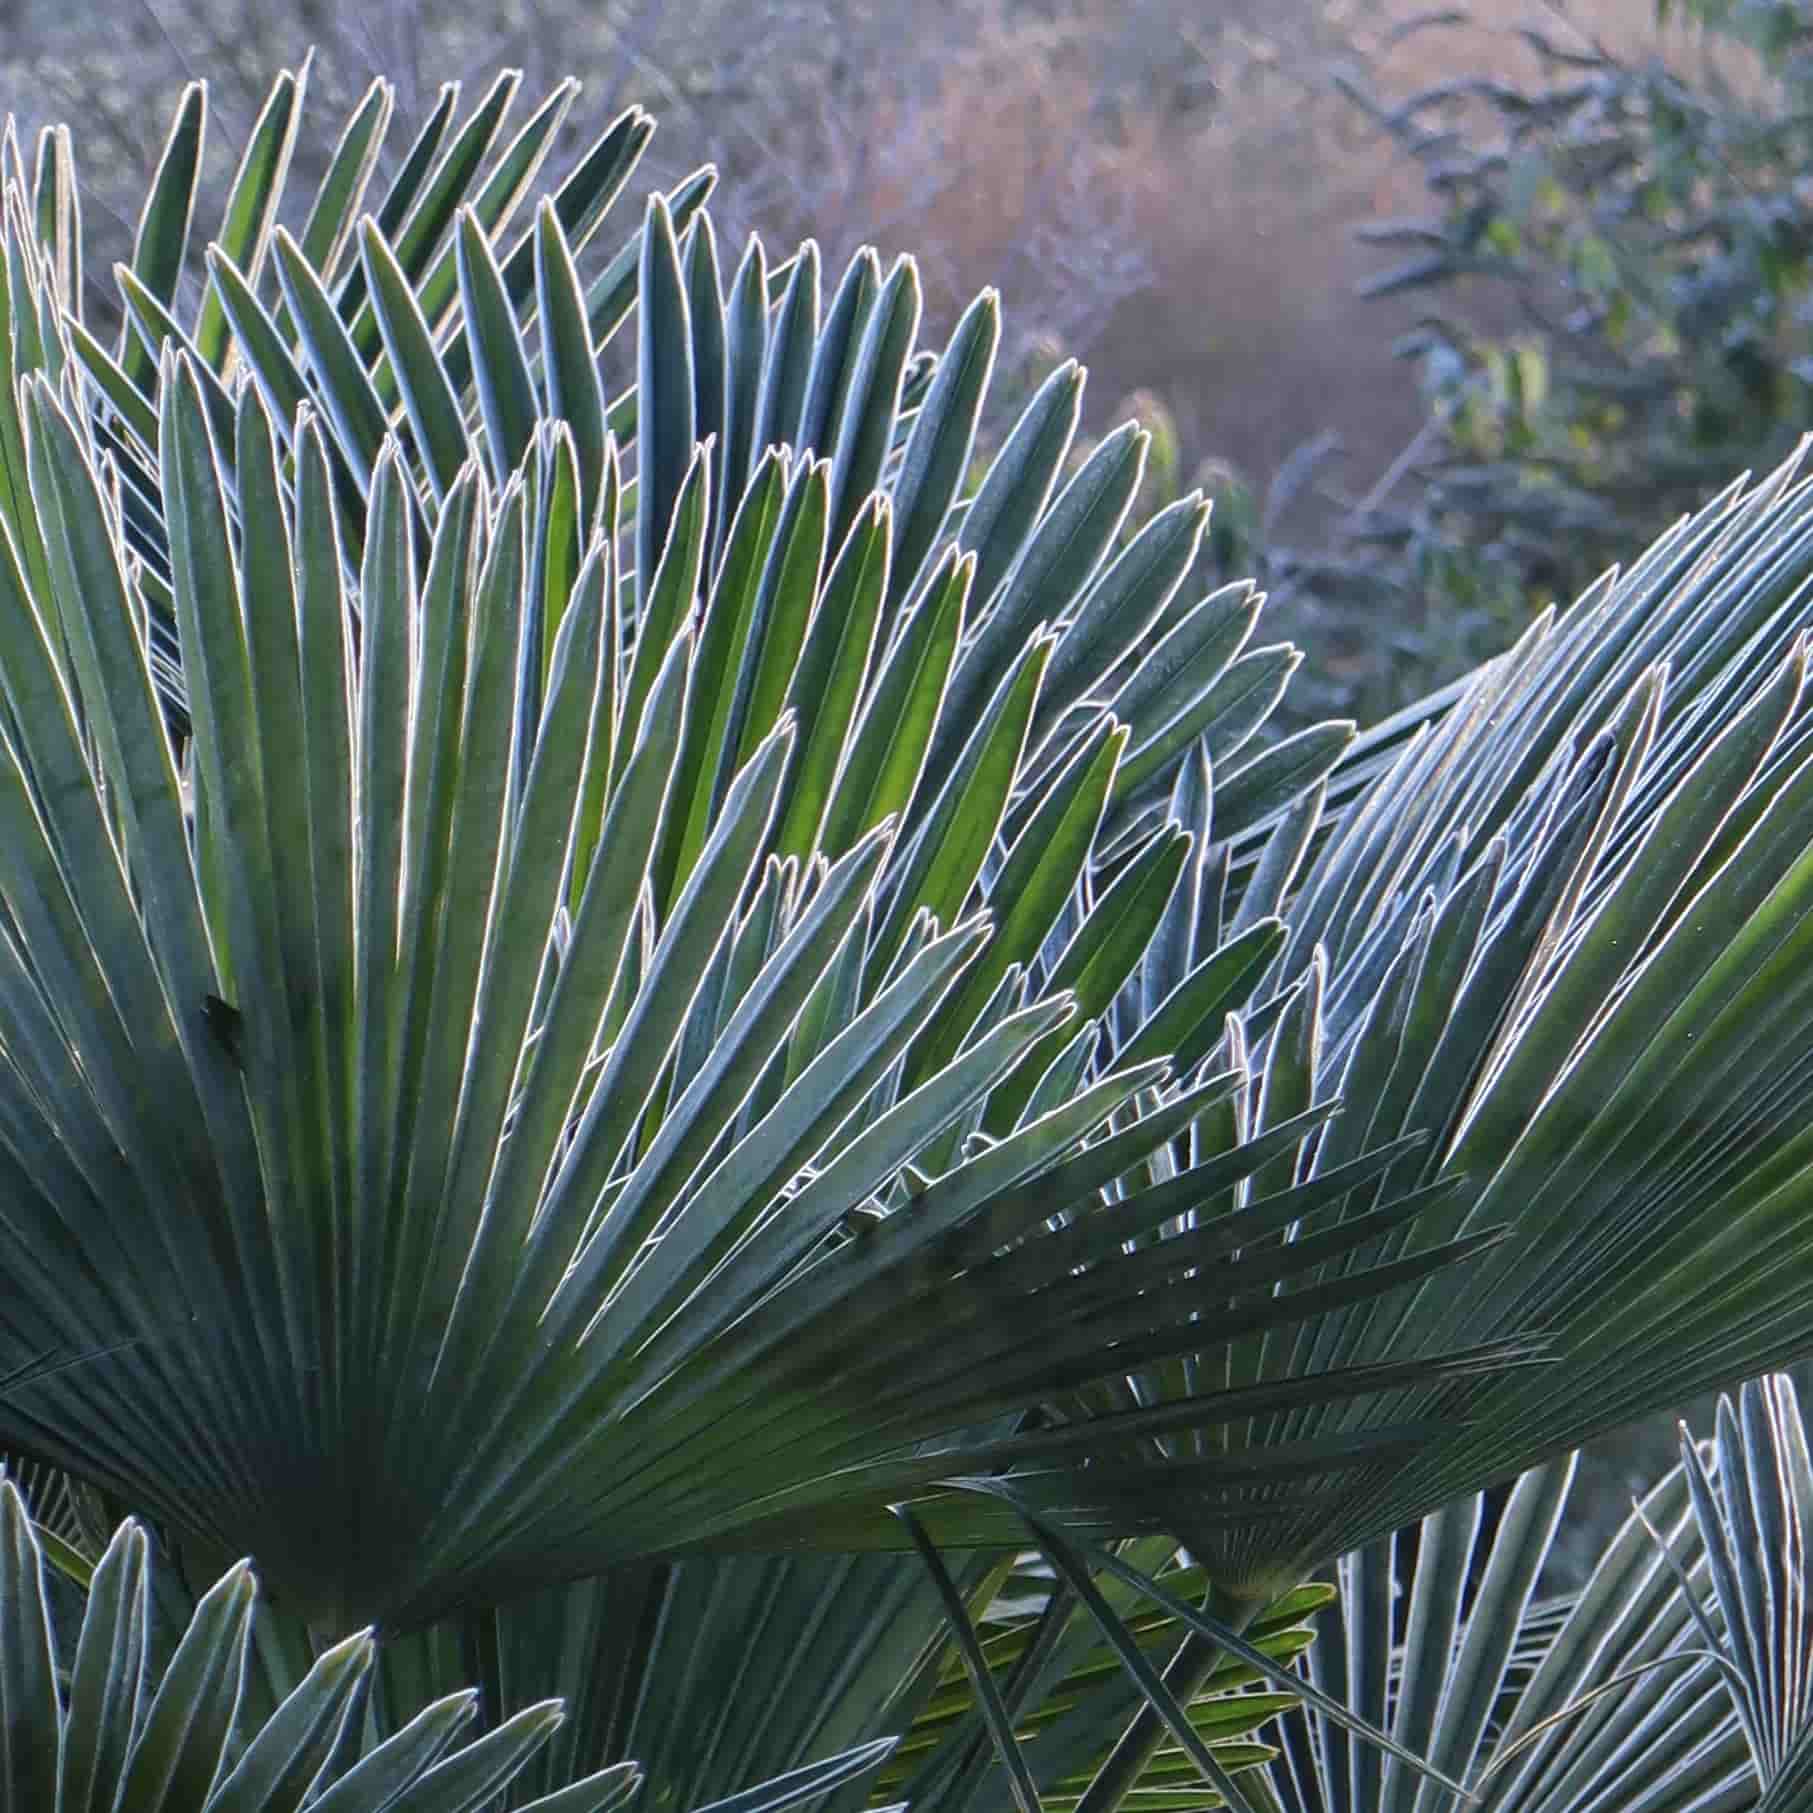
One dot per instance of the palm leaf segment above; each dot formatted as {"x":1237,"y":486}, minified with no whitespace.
{"x":519,"y":1058}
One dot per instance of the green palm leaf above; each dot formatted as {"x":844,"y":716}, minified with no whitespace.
{"x":101,"y":1726}
{"x":1673,"y":1682}
{"x":1070,"y":1693}
{"x":1602,"y":1700}
{"x":389,"y":1044}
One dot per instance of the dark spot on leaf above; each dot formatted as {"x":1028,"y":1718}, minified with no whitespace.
{"x":224,"y":1023}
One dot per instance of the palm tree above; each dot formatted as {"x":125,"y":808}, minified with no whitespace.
{"x":644,"y":1037}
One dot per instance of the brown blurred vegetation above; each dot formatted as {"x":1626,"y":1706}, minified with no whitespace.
{"x":1167,"y":188}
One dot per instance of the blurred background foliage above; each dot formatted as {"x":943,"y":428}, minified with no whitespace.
{"x":1446,"y":311}
{"x":1443,"y":309}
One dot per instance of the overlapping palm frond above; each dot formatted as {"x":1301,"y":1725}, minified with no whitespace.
{"x":1561,"y":937}
{"x":1069,"y":1694}
{"x":604,"y":983}
{"x":389,"y":974}
{"x":714,"y":1674}
{"x":438,"y":859}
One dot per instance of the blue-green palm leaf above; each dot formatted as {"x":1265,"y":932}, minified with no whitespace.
{"x":466,"y":958}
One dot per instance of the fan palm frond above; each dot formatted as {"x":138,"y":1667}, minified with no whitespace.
{"x":1675,"y":1681}
{"x":519,"y":976}
{"x":97,"y":1725}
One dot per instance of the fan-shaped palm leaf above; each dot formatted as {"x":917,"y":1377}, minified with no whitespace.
{"x":346,"y":1004}
{"x":1676,"y":1681}
{"x":1349,"y":880}
{"x":523,"y":984}
{"x":98,"y":1725}
{"x":1561,"y":934}
{"x":1605,"y":1700}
